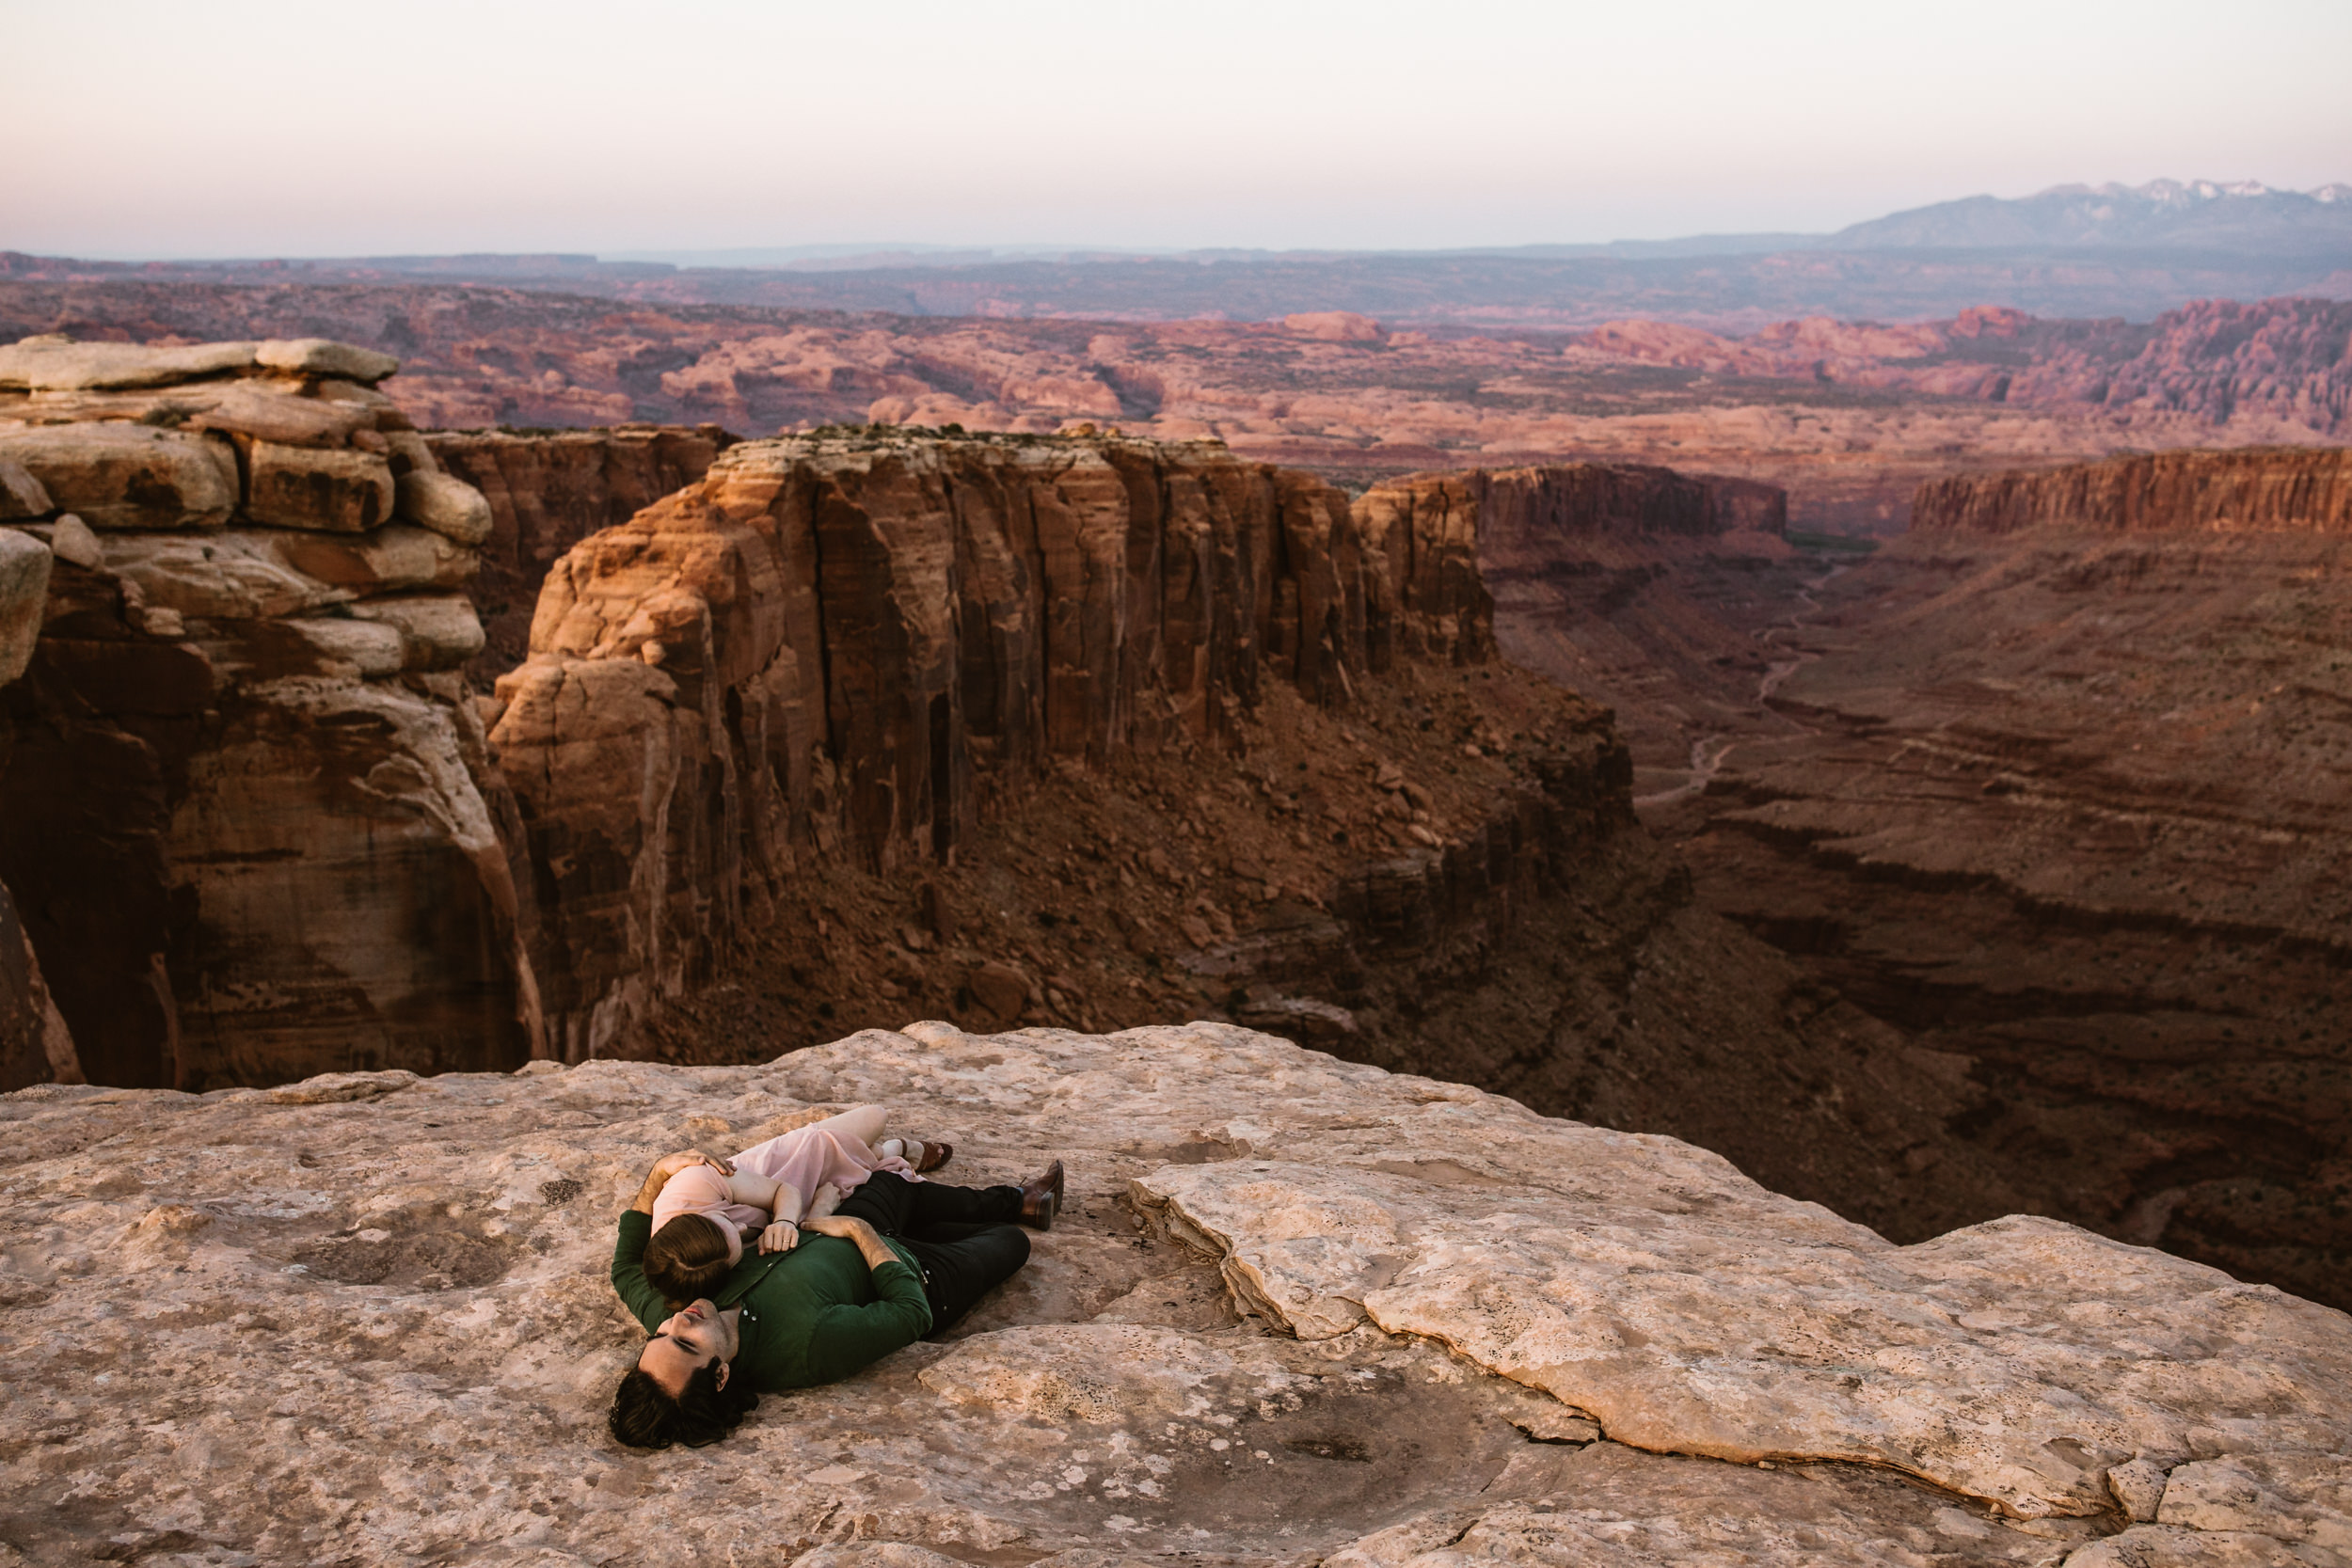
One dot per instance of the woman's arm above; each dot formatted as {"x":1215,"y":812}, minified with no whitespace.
{"x":780,"y":1198}
{"x":669,"y":1166}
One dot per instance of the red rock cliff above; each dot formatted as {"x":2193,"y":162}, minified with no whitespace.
{"x":2256,"y":488}
{"x":548,"y":490}
{"x":850,"y":643}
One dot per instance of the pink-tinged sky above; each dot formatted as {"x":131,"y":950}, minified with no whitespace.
{"x":145,"y":127}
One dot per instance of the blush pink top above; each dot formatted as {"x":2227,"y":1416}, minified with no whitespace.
{"x":805,"y":1158}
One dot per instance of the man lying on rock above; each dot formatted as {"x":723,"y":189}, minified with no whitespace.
{"x":857,"y":1255}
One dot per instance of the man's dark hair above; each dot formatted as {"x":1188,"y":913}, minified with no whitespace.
{"x":687,"y":1259}
{"x":645,"y":1415}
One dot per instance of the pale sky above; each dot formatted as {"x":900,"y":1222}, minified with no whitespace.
{"x":169,"y":128}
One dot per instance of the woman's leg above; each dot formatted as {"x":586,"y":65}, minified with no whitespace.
{"x":860,"y":1124}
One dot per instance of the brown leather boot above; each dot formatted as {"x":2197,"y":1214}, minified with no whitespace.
{"x":1041,"y":1199}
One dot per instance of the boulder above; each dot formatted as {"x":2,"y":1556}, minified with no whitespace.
{"x":71,"y":539}
{"x":447,"y":505}
{"x":324,"y":356}
{"x":414,"y":1271}
{"x":387,"y":560}
{"x":59,"y":365}
{"x":128,"y":476}
{"x":237,"y":574}
{"x":20,"y":494}
{"x":440,"y":630}
{"x":268,"y":414}
{"x":24,"y":599}
{"x":304,"y":487}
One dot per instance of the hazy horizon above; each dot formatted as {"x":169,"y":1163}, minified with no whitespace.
{"x":261,"y":128}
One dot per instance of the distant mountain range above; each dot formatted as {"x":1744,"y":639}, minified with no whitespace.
{"x":2075,"y":250}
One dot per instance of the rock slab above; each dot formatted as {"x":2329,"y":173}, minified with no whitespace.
{"x":399,"y":1282}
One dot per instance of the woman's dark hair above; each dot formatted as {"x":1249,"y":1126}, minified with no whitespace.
{"x":687,"y":1259}
{"x":645,"y":1415}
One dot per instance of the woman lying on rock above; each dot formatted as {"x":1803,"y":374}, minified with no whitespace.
{"x":899,"y":1259}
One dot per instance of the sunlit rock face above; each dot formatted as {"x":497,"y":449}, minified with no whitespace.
{"x":247,"y":823}
{"x":1296,"y":1311}
{"x":851,"y":643}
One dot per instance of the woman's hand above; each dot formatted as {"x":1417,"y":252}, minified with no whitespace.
{"x":783,"y":1236}
{"x":687,"y":1159}
{"x":669,"y":1166}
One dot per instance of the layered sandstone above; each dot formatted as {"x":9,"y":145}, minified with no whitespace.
{"x":2167,"y":493}
{"x":549,"y":489}
{"x":851,"y":643}
{"x":243,"y":822}
{"x":1296,"y":1311}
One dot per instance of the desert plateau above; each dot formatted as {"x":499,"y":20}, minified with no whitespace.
{"x":1013,"y":793}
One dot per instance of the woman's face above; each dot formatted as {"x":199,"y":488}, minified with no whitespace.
{"x":735,"y":1238}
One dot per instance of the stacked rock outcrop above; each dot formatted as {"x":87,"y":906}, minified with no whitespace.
{"x":851,"y":642}
{"x":1294,"y":1311}
{"x":243,"y":824}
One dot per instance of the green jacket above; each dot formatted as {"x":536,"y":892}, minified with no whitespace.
{"x":812,"y":1315}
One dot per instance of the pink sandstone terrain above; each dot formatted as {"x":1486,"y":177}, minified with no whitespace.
{"x":1848,"y":419}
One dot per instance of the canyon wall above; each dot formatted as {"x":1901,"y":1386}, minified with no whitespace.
{"x":2060,"y":787}
{"x":2260,"y":489}
{"x":549,"y":489}
{"x":853,"y":644}
{"x":249,"y":824}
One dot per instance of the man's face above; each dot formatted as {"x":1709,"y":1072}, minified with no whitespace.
{"x":687,"y":1340}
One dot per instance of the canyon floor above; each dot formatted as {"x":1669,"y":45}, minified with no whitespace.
{"x":2064,"y":807}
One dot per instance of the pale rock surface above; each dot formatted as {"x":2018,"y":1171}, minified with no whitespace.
{"x":71,"y":539}
{"x":20,"y":494}
{"x":128,"y":476}
{"x":324,"y":357}
{"x":364,"y":1318}
{"x":440,"y":630}
{"x":24,"y":595}
{"x":448,"y":506}
{"x":56,"y":364}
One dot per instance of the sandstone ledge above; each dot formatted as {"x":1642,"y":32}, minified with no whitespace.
{"x":363,"y":1318}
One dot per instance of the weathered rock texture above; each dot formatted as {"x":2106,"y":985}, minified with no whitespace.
{"x":852,"y":644}
{"x":2061,"y":787}
{"x":548,"y":490}
{"x":365,"y":1319}
{"x":242,"y":822}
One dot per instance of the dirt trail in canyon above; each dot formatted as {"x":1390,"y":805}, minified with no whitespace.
{"x":1709,"y":752}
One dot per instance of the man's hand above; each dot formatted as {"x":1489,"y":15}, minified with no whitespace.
{"x":783,"y":1236}
{"x":669,"y":1166}
{"x":867,"y":1239}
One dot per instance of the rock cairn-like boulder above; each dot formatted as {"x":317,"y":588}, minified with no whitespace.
{"x":1296,"y":1311}
{"x":851,"y":643}
{"x":243,"y":822}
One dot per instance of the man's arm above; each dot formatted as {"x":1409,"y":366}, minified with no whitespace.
{"x":846,"y":1339}
{"x":645,"y":1303}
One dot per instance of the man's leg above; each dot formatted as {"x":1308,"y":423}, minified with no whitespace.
{"x":894,"y":1206}
{"x":962,"y":1262}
